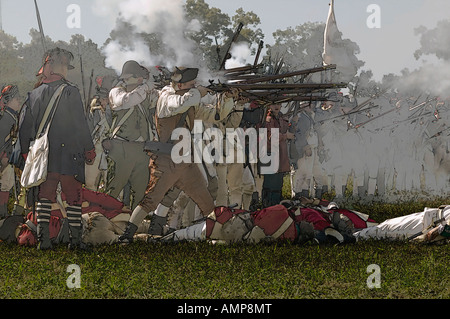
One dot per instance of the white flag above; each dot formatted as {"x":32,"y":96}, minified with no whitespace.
{"x":334,"y":50}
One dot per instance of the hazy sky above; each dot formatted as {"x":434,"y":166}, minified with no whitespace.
{"x":388,"y":49}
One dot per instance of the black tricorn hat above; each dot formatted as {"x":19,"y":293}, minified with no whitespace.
{"x":133,"y":69}
{"x":183,"y":75}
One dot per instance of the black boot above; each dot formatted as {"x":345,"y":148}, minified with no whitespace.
{"x":127,"y":236}
{"x":64,"y":233}
{"x":43,"y":236}
{"x":156,"y":229}
{"x":75,"y":227}
{"x":76,"y":241}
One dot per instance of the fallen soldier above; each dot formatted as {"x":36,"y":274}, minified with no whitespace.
{"x":430,"y":225}
{"x":104,"y":219}
{"x":295,"y":221}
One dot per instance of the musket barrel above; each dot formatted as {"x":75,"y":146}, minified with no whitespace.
{"x":242,"y":69}
{"x":291,"y":74}
{"x":284,"y":86}
{"x":260,"y":47}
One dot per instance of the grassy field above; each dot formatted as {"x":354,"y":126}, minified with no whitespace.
{"x":202,"y":270}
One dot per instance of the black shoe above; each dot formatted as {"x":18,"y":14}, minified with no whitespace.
{"x":43,"y":236}
{"x":127,"y":236}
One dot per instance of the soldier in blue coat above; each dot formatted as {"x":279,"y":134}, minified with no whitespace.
{"x":70,"y":144}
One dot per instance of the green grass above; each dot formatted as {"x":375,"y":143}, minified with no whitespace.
{"x":202,"y":270}
{"x":205,"y":271}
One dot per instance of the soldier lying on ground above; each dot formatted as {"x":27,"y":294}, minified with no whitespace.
{"x":104,"y":219}
{"x":298,"y":221}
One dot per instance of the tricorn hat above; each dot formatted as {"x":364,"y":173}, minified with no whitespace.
{"x":7,"y":94}
{"x":183,"y":75}
{"x":64,"y":56}
{"x":133,"y":69}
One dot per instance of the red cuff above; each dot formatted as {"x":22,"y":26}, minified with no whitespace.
{"x":90,"y":155}
{"x":25,"y":156}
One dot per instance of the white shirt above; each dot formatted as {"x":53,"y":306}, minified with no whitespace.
{"x":120,"y":99}
{"x":171,"y":104}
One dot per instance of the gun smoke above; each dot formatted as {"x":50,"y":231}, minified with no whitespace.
{"x":137,"y":19}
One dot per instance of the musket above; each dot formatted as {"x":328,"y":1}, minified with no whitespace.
{"x":82,"y":74}
{"x":402,"y":121}
{"x":217,"y":50}
{"x":285,"y":86}
{"x":293,"y":154}
{"x":423,"y":103}
{"x":277,"y":87}
{"x":290,"y":74}
{"x":235,"y":36}
{"x":441,"y":220}
{"x":374,"y":118}
{"x":348,"y":113}
{"x":360,"y":106}
{"x":243,"y":77}
{"x":277,"y":93}
{"x":260,"y":47}
{"x":88,"y":104}
{"x":279,"y":65}
{"x":281,"y":99}
{"x":412,"y":119}
{"x":242,"y":69}
{"x":41,"y":30}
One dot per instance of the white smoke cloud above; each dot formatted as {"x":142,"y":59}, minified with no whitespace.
{"x":240,"y":52}
{"x":157,"y":16}
{"x":432,"y":78}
